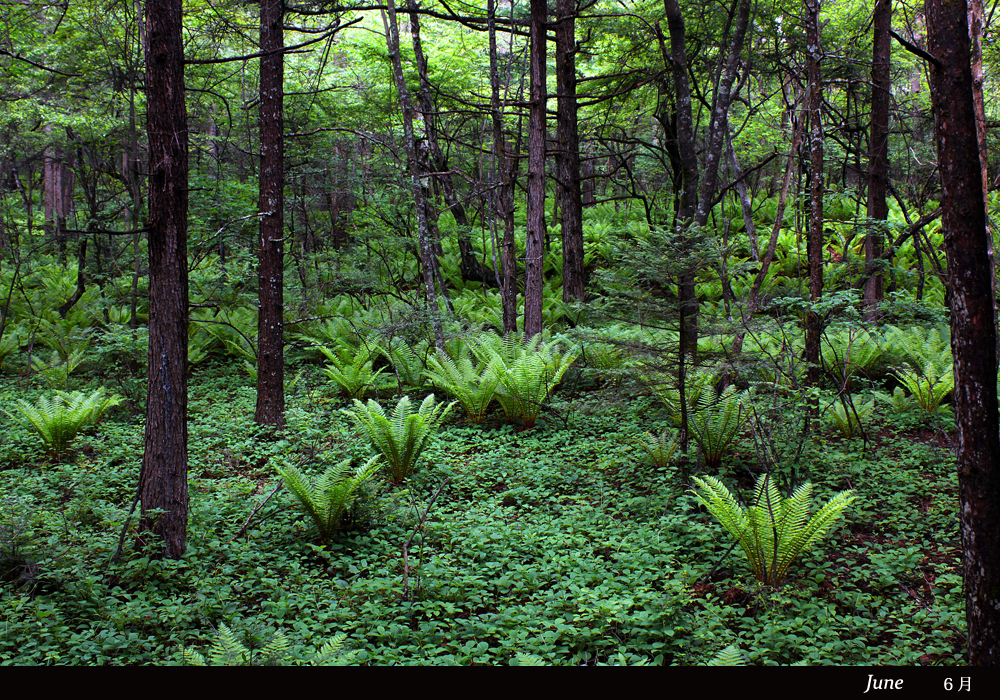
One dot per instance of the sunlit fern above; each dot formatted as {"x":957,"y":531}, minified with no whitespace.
{"x":529,"y":371}
{"x":407,"y":364}
{"x":772,"y":531}
{"x":920,"y":346}
{"x":401,"y":437}
{"x":849,"y":353}
{"x":229,"y":650}
{"x":329,"y":499}
{"x":9,"y":343}
{"x":469,"y":380}
{"x":57,"y":419}
{"x":698,"y":392}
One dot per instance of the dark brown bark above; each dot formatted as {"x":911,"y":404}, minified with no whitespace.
{"x":687,"y":202}
{"x":568,"y":156}
{"x":270,"y":246}
{"x":972,"y":325}
{"x":425,"y":243}
{"x":164,"y":464}
{"x":814,"y":240}
{"x":878,"y":156}
{"x":535,"y":240}
{"x":502,"y":195}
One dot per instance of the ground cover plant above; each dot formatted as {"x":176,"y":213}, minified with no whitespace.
{"x":564,"y":543}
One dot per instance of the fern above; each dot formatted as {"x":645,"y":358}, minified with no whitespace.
{"x":529,"y":371}
{"x":928,"y":388}
{"x":660,"y":449}
{"x":849,"y":353}
{"x":406,"y":363}
{"x":58,"y":419}
{"x":921,"y":347}
{"x":353,"y":377}
{"x":772,"y":531}
{"x":9,"y":343}
{"x":56,"y":371}
{"x":401,"y":437}
{"x":229,"y":650}
{"x":730,"y":656}
{"x":329,"y":499}
{"x":843,"y":416}
{"x":473,"y":383}
{"x":697,"y":394}
{"x":716,"y":425}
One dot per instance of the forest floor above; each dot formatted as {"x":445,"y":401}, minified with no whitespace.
{"x":558,"y":544}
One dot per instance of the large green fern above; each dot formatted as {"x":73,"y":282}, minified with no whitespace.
{"x":528,"y":371}
{"x":772,"y":531}
{"x":354,"y":376}
{"x":930,"y":387}
{"x":401,"y":437}
{"x":229,"y":650}
{"x":329,"y":499}
{"x":57,"y":419}
{"x":472,"y":382}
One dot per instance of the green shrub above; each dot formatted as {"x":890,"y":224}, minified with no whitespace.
{"x":229,"y":650}
{"x":715,"y":425}
{"x":472,"y":382}
{"x":659,"y":449}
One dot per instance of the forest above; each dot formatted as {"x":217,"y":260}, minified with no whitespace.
{"x":518,"y":332}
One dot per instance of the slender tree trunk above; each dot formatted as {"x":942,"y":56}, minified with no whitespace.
{"x":814,"y":241}
{"x":567,"y":134}
{"x":688,"y":200}
{"x":502,"y":195}
{"x":972,"y":325}
{"x":878,"y":156}
{"x":164,"y":464}
{"x":534,"y":245}
{"x":270,"y":247}
{"x":428,"y":261}
{"x":744,"y":196}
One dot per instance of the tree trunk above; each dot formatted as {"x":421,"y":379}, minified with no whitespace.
{"x":534,"y":244}
{"x":878,"y":157}
{"x":502,"y":195}
{"x":972,"y":326}
{"x":164,"y":463}
{"x":270,"y":247}
{"x":428,"y":261}
{"x":567,"y":134}
{"x":814,"y":241}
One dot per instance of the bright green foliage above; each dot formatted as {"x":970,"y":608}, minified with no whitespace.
{"x":529,"y":371}
{"x":899,"y":402}
{"x":58,"y":419}
{"x":849,"y":353}
{"x":716,"y":424}
{"x":929,"y":388}
{"x":329,"y":500}
{"x":472,"y":382}
{"x":228,"y":650}
{"x":772,"y":531}
{"x":844,"y":418}
{"x":56,"y":371}
{"x":354,"y":376}
{"x":401,"y":437}
{"x":228,"y":334}
{"x":660,"y":449}
{"x":407,"y":364}
{"x":921,"y":347}
{"x":730,"y":656}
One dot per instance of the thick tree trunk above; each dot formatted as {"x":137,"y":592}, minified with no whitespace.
{"x":878,"y":156}
{"x":534,"y":245}
{"x":972,"y":326}
{"x":568,"y":135}
{"x":164,"y":463}
{"x":814,"y":242}
{"x":270,"y":247}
